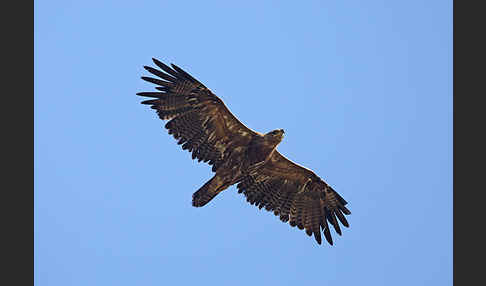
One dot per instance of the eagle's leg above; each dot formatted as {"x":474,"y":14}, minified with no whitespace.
{"x":208,"y":191}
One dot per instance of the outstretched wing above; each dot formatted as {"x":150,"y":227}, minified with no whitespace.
{"x":297,"y":195}
{"x":199,"y":120}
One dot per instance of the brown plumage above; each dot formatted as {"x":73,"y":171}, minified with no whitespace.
{"x":203,"y":125}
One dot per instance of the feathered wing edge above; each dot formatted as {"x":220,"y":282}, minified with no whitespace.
{"x":297,"y":196}
{"x":198,"y":119}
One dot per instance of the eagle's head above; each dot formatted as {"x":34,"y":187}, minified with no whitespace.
{"x":275,"y":136}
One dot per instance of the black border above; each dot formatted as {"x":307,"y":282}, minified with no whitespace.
{"x":468,"y":130}
{"x":17,"y":132}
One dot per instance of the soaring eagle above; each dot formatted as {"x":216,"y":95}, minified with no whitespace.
{"x":204,"y":126}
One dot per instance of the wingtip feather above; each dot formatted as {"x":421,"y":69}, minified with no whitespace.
{"x":327,"y":235}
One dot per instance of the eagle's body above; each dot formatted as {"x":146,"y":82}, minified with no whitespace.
{"x":245,"y":157}
{"x":238,"y":155}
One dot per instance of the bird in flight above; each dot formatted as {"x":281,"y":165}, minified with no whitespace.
{"x":204,"y":126}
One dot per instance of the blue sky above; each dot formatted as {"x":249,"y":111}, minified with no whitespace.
{"x":363,"y":90}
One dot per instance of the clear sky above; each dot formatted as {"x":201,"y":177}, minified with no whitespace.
{"x":363,"y":90}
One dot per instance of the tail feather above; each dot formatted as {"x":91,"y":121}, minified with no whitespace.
{"x":207,"y":192}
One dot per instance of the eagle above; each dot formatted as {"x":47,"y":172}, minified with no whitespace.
{"x":204,"y":126}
